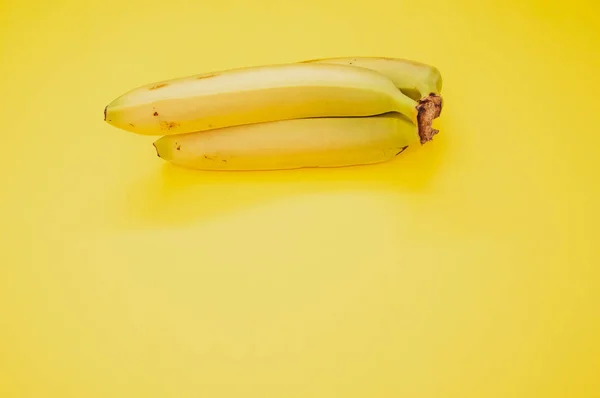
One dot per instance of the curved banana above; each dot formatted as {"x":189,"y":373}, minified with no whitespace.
{"x":292,"y":144}
{"x":261,"y":94}
{"x":415,"y":79}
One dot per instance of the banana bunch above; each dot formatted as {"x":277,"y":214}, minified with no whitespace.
{"x":330,"y":112}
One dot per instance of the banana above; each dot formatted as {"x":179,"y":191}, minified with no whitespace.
{"x":263,"y":94}
{"x":415,"y":79}
{"x":292,"y":144}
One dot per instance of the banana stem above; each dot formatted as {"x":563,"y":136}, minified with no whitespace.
{"x":428,"y":109}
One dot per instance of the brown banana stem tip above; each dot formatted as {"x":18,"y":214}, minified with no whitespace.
{"x":428,"y":109}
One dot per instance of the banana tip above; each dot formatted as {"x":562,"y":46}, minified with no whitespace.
{"x":105,"y":108}
{"x":156,"y":148}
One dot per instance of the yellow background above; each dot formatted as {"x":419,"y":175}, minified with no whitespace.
{"x":465,"y":268}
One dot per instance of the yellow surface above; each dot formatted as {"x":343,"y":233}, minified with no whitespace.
{"x":465,"y":268}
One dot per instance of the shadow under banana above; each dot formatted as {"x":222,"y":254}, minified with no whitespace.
{"x":175,"y":196}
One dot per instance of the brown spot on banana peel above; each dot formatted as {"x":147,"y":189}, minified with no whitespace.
{"x":164,"y":125}
{"x":157,"y":86}
{"x":401,"y":150}
{"x":428,"y":109}
{"x":207,"y":76}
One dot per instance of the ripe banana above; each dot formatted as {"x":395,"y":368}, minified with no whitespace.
{"x":264,"y":94}
{"x":415,"y":79}
{"x":292,"y":144}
